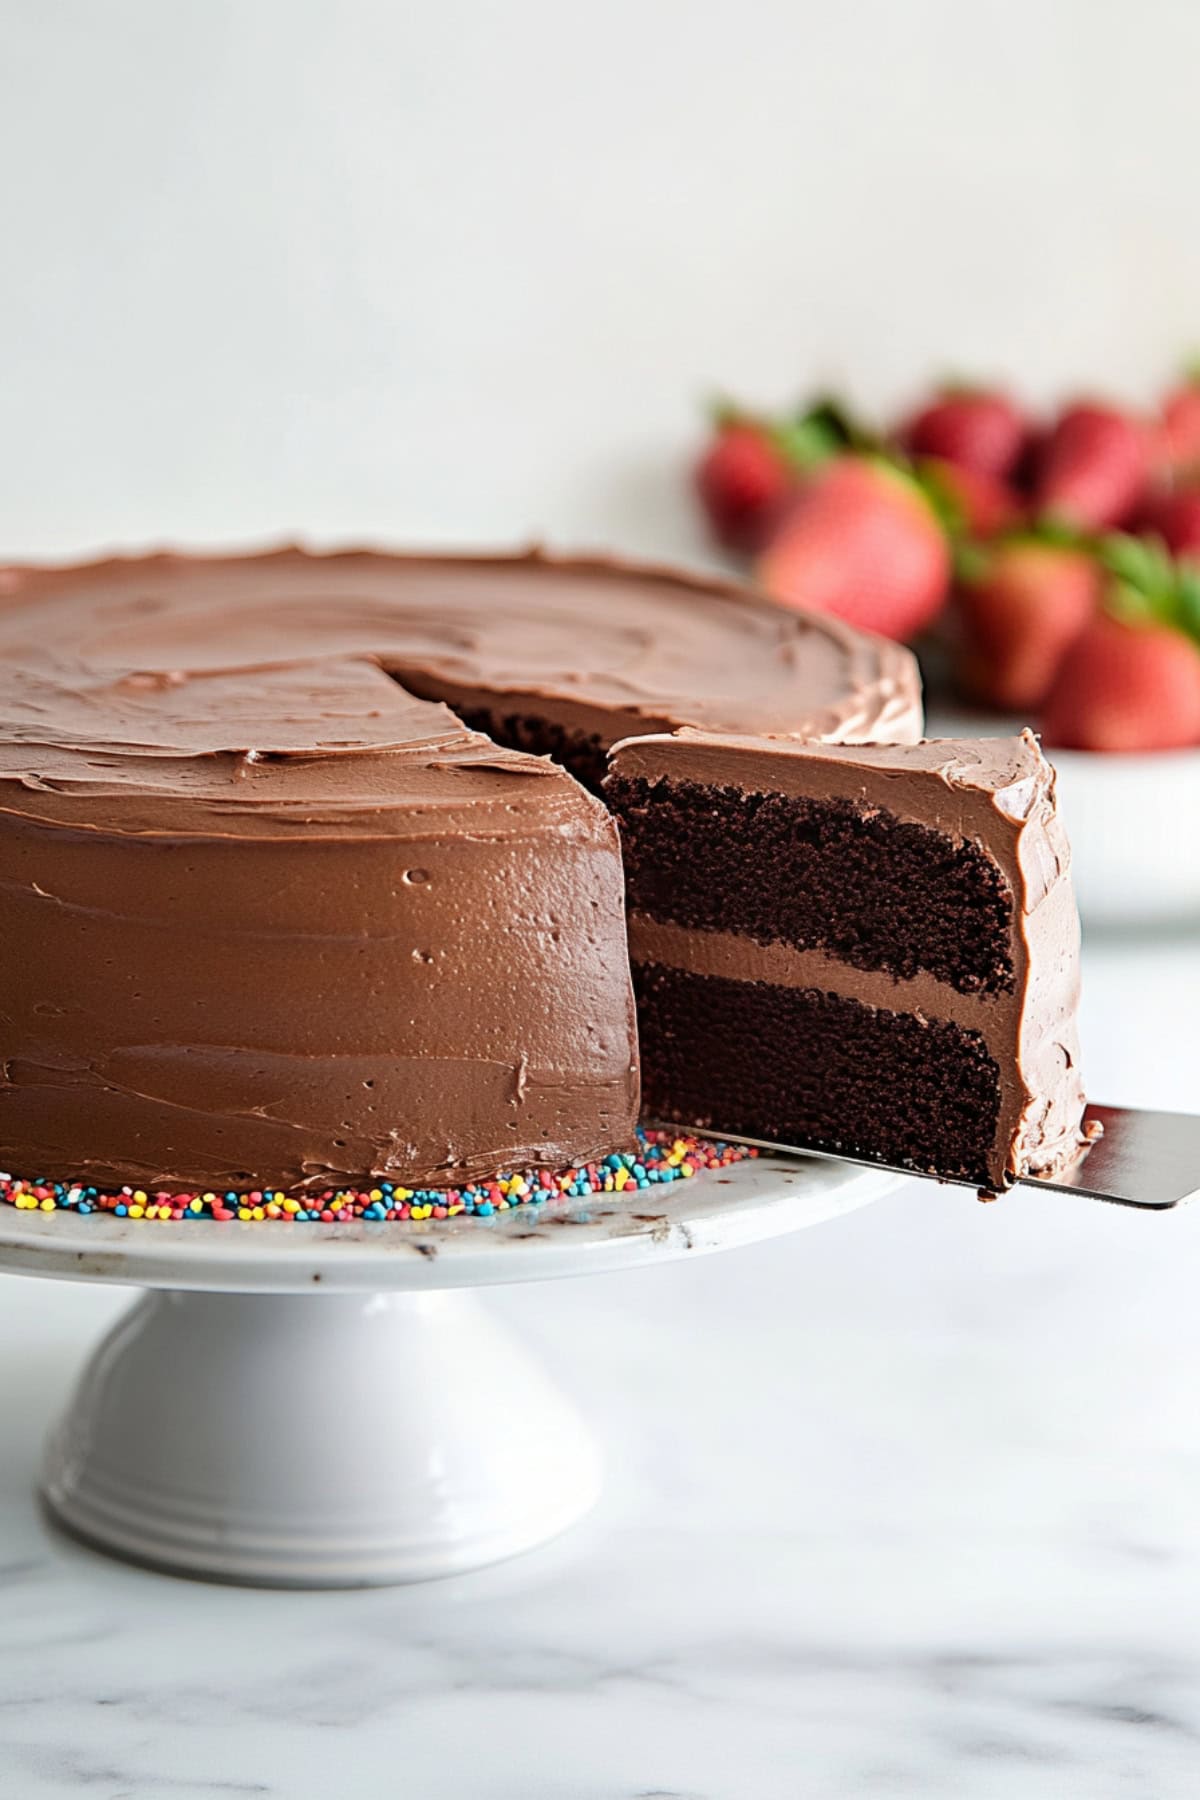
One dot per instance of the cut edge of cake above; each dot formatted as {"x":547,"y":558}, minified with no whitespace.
{"x":800,"y":911}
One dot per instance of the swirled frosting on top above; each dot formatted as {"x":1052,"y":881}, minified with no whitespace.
{"x":110,"y":655}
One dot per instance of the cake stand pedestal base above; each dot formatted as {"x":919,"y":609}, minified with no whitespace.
{"x":332,"y":1406}
{"x":331,"y":1440}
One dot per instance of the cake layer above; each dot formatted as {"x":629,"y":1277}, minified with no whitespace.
{"x":930,"y":882}
{"x":876,"y":891}
{"x":803,"y":1066}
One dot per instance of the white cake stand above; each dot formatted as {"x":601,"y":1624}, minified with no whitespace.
{"x":329,"y":1406}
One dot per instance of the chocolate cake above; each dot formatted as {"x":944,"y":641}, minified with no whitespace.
{"x":274,"y":912}
{"x":870,"y":950}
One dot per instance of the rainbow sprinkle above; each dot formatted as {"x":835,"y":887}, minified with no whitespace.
{"x":660,"y":1159}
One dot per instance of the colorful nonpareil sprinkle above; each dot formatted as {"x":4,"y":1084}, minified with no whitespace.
{"x":660,"y":1159}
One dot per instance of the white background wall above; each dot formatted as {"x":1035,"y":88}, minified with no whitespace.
{"x":458,"y":271}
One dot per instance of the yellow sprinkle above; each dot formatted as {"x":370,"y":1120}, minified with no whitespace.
{"x":685,"y":1168}
{"x":377,"y":1193}
{"x":258,"y":1213}
{"x":209,"y":1198}
{"x":137,"y":1212}
{"x":244,"y":1212}
{"x":195,"y":1206}
{"x":48,"y":1206}
{"x":291,"y":1206}
{"x":140,"y":1196}
{"x":619,"y":1180}
{"x":403,"y":1193}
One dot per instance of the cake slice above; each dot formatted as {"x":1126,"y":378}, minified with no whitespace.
{"x":869,"y":949}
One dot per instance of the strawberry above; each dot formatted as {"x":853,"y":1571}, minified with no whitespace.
{"x":1178,"y":435}
{"x":1174,"y":516}
{"x":1126,"y":686}
{"x":972,"y":504}
{"x":863,"y":542}
{"x":976,"y":428}
{"x":1093,"y":467}
{"x":744,"y":480}
{"x":1018,"y":615}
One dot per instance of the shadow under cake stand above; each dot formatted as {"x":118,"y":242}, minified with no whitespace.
{"x":331,"y":1406}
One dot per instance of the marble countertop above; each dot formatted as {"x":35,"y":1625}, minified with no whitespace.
{"x":907,"y":1505}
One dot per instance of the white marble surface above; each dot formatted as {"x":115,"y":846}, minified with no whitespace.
{"x":907,"y":1505}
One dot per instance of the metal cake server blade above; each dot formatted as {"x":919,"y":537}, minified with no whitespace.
{"x":1145,"y":1159}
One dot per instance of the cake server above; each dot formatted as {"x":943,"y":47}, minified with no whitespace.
{"x":1145,"y":1159}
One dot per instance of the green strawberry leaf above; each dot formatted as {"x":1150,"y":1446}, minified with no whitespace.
{"x":971,"y":562}
{"x":1189,"y":599}
{"x":834,"y":416}
{"x":1147,"y":586}
{"x":1143,"y":562}
{"x":1052,"y":528}
{"x":806,"y":443}
{"x":1129,"y":604}
{"x":952,"y":515}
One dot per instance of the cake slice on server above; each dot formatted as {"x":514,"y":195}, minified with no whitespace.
{"x":870,"y":949}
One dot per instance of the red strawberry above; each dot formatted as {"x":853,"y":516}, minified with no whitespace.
{"x":978,"y":429}
{"x":1018,"y":618}
{"x":1175,"y":518}
{"x":1093,"y":467}
{"x":1178,"y":436}
{"x":974,"y":505}
{"x":744,"y":480}
{"x":861,"y":541}
{"x":1126,"y":687}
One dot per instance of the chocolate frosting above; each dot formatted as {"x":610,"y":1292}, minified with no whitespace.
{"x":995,"y":792}
{"x":273,"y":915}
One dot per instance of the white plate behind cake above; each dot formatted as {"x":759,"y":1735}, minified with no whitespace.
{"x":1133,"y":822}
{"x":1134,"y":826}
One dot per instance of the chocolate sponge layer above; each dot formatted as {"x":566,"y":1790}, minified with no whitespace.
{"x":799,"y":1066}
{"x":875,"y":891}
